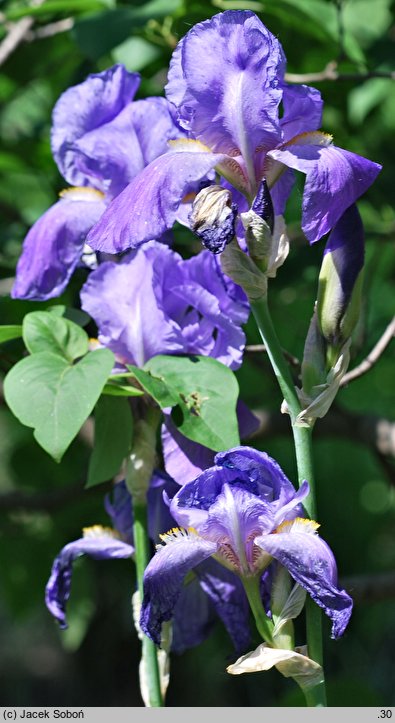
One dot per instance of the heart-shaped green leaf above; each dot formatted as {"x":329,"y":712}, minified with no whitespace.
{"x":46,"y":331}
{"x":46,"y":392}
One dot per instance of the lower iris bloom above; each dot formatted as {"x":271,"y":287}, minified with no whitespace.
{"x":245,"y":514}
{"x":211,"y":592}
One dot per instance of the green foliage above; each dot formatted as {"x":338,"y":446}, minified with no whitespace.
{"x":43,"y":331}
{"x":202,"y":393}
{"x":113,"y":438}
{"x":47,"y":392}
{"x":356,"y":502}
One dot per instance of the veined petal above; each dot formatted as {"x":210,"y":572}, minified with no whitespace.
{"x":84,"y":108}
{"x":53,"y":246}
{"x":148,"y":205}
{"x":302,"y":110}
{"x":312,"y":564}
{"x":224,"y":79}
{"x":114,"y":153}
{"x":98,"y":542}
{"x":194,"y":616}
{"x":123,"y":301}
{"x":164,"y":577}
{"x":226,"y":592}
{"x":335,"y":178}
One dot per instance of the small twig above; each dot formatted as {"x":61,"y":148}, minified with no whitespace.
{"x":16,"y":34}
{"x":330,"y":72}
{"x":373,"y":357}
{"x":254,"y":348}
{"x":47,"y":31}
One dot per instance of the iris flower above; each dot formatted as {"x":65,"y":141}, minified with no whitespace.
{"x":101,"y":139}
{"x":155,"y":302}
{"x":226,"y":83}
{"x":244,"y":513}
{"x":211,"y":592}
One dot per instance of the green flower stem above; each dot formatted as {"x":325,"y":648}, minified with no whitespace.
{"x":142,"y":557}
{"x":263,"y":624}
{"x":303,"y":450}
{"x":141,"y":463}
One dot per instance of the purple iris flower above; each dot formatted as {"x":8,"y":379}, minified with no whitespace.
{"x":226,"y":81}
{"x":154,"y":302}
{"x":101,"y":139}
{"x":210,"y":593}
{"x":244,"y":513}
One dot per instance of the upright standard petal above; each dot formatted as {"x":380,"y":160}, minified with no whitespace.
{"x":53,"y":246}
{"x":164,"y":576}
{"x":224,"y":79}
{"x":311,"y":563}
{"x":114,"y":153}
{"x":335,"y":178}
{"x":84,"y":108}
{"x":148,"y":205}
{"x":122,"y":300}
{"x":302,"y":110}
{"x":98,"y":542}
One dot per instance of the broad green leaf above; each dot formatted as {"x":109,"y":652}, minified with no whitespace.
{"x":100,"y":33}
{"x":113,"y":437}
{"x":79,"y":317}
{"x":54,"y":397}
{"x":156,"y":386}
{"x":206,"y":393}
{"x":45,"y":331}
{"x":121,"y":390}
{"x":11,"y":331}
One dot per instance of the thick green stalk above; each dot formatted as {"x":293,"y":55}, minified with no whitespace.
{"x":303,"y":450}
{"x":263,"y":624}
{"x":142,"y":557}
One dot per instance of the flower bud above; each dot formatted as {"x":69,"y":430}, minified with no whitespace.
{"x":340,"y":280}
{"x":258,"y":223}
{"x":213,"y":217}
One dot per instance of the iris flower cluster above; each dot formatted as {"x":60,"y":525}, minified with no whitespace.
{"x":225,"y":141}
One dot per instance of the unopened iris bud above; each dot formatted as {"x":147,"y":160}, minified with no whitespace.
{"x":213,"y":217}
{"x":258,"y":223}
{"x":340,"y":280}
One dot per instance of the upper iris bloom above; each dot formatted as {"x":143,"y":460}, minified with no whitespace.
{"x":245,"y":513}
{"x":226,"y":81}
{"x":101,"y":139}
{"x":211,"y":592}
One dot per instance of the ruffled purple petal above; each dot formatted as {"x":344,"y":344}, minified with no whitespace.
{"x":224,"y":79}
{"x":164,"y":577}
{"x":194,"y":617}
{"x":161,"y":487}
{"x":116,"y":152}
{"x":265,"y":477}
{"x":53,"y":246}
{"x":335,"y":178}
{"x":118,"y":505}
{"x":148,"y":205}
{"x":184,"y":459}
{"x":311,"y":563}
{"x":302,"y":110}
{"x":84,"y":108}
{"x":124,"y":301}
{"x":226,"y":592}
{"x":234,"y":520}
{"x":99,"y":544}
